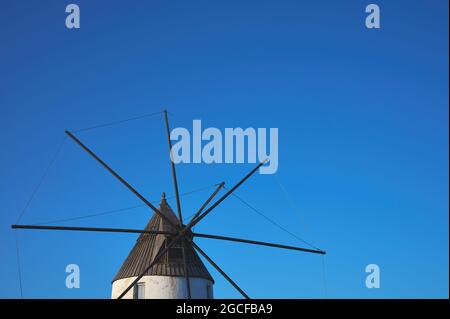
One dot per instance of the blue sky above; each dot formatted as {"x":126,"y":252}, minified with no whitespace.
{"x":363,"y":137}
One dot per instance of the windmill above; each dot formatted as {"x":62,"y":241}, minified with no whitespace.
{"x":164,"y":262}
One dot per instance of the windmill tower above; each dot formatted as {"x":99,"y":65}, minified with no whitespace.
{"x":166,"y":279}
{"x":164,"y":261}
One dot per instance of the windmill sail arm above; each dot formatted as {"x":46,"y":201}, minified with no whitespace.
{"x":219,"y":187}
{"x":155,"y":260}
{"x":254,"y":242}
{"x":220,"y":270}
{"x":92,"y":229}
{"x":174,"y":172}
{"x":186,"y":270}
{"x":131,"y":188}
{"x":220,"y":200}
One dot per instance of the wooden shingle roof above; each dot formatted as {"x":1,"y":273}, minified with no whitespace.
{"x":148,"y":245}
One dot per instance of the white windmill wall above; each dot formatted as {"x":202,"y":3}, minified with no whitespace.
{"x":165,"y":287}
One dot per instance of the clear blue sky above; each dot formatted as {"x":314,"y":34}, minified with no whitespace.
{"x":363,"y":134}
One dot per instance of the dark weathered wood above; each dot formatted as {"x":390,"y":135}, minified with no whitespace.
{"x":220,"y":270}
{"x":205,"y":204}
{"x":254,"y":242}
{"x":131,"y":188}
{"x":181,"y":232}
{"x":180,"y":216}
{"x":157,"y":258}
{"x":186,"y":270}
{"x":174,"y":172}
{"x":220,"y":200}
{"x":93,"y":229}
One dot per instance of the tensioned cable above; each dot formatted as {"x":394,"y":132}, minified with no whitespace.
{"x":117,"y":122}
{"x":295,"y":207}
{"x":52,"y":161}
{"x":292,"y":203}
{"x":108,"y":212}
{"x":33,"y":194}
{"x":293,"y":235}
{"x":60,"y":147}
{"x":18,"y":263}
{"x":286,"y":193}
{"x":273,"y":222}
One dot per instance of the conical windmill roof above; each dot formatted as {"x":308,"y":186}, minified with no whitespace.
{"x":148,"y":245}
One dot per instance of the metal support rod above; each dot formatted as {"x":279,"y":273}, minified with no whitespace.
{"x":93,"y":229}
{"x":205,"y":204}
{"x":227,"y":194}
{"x":254,"y":242}
{"x":181,"y":234}
{"x":220,"y":271}
{"x":142,"y":198}
{"x":174,"y":172}
{"x":186,"y":270}
{"x":157,"y":258}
